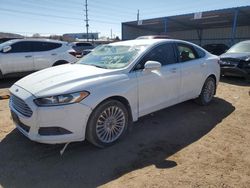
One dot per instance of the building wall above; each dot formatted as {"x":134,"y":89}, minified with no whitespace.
{"x":129,"y":33}
{"x":209,"y":36}
{"x":74,"y":36}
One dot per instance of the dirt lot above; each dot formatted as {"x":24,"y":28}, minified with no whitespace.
{"x":183,"y":146}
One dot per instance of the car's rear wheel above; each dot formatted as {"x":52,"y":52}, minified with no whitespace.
{"x":107,"y":124}
{"x":207,"y":92}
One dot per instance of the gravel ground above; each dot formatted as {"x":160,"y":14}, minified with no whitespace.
{"x":182,"y":146}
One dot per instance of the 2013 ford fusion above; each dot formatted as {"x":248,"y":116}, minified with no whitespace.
{"x":98,"y":97}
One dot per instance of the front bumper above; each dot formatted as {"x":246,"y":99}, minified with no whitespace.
{"x":235,"y":71}
{"x":70,"y":118}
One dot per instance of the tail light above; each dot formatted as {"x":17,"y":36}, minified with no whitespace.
{"x":73,"y":53}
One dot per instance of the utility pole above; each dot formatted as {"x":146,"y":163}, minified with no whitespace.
{"x":138,"y":15}
{"x":87,"y":19}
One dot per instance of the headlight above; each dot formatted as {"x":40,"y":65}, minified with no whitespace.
{"x":61,"y":99}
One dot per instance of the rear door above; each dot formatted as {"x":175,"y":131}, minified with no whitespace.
{"x":45,"y":54}
{"x":18,"y":59}
{"x":192,"y":71}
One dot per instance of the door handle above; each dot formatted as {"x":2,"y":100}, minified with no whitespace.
{"x":173,"y":70}
{"x":203,"y":64}
{"x":54,"y":54}
{"x":28,"y":56}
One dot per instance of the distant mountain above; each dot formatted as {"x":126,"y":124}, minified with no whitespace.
{"x":10,"y":35}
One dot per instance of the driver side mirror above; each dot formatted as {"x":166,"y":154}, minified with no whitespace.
{"x":152,"y":65}
{"x":6,"y":49}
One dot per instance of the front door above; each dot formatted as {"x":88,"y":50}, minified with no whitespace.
{"x":18,"y":59}
{"x":158,"y":89}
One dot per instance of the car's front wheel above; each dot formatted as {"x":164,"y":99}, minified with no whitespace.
{"x":207,"y":92}
{"x":107,"y":123}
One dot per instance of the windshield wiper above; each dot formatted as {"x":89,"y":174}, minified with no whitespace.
{"x":98,"y":66}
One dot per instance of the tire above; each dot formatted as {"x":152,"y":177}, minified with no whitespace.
{"x":61,"y":62}
{"x":107,"y":124}
{"x":207,"y":92}
{"x":247,"y":78}
{"x":1,"y":74}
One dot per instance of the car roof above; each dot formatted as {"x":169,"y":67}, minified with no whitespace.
{"x":82,"y":42}
{"x":154,"y":37}
{"x":139,"y":42}
{"x":245,"y":41}
{"x":149,"y":42}
{"x":36,"y":39}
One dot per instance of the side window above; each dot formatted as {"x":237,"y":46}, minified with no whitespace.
{"x":45,"y":46}
{"x":20,"y":47}
{"x":163,"y":53}
{"x":186,"y":52}
{"x":200,"y":52}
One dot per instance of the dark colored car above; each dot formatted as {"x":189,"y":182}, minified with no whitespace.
{"x":236,"y":61}
{"x":85,"y":52}
{"x":79,"y":47}
{"x":216,"y":49}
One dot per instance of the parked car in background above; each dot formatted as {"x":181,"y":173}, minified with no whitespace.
{"x":23,"y":56}
{"x":153,"y":37}
{"x":216,"y":49}
{"x":85,"y":52}
{"x":236,"y":61}
{"x":79,"y":47}
{"x":98,"y":97}
{"x":2,"y":40}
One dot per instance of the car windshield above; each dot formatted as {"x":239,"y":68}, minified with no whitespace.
{"x":112,"y":56}
{"x":240,"y":48}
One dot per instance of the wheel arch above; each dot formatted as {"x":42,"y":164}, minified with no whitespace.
{"x":215,"y":79}
{"x":121,"y":99}
{"x":60,"y":62}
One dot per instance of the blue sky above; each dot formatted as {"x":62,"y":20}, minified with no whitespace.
{"x":63,"y":16}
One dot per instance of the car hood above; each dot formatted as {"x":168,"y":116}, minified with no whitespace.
{"x":64,"y":79}
{"x":239,"y":56}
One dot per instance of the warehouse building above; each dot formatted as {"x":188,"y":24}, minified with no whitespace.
{"x":80,"y":36}
{"x":225,"y":26}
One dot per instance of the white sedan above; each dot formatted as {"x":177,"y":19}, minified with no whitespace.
{"x":102,"y":94}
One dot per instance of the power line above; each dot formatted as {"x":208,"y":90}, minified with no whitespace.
{"x":27,"y":5}
{"x":39,"y":14}
{"x":41,"y":19}
{"x":50,"y":15}
{"x":102,"y":11}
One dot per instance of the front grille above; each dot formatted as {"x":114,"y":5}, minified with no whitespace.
{"x":20,"y":106}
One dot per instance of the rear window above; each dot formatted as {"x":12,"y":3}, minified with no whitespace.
{"x":83,"y":44}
